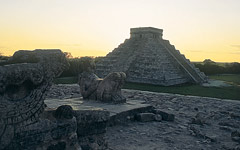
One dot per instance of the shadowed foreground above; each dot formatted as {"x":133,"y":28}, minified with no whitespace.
{"x":200,"y":122}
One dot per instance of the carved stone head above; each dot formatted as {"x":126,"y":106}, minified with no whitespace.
{"x":24,"y":79}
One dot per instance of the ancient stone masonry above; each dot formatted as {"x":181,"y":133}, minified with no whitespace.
{"x":105,"y":90}
{"x":147,"y":58}
{"x":24,"y":124}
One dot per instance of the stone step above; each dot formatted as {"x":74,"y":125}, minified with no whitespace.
{"x":119,"y":113}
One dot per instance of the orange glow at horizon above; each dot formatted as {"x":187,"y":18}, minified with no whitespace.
{"x":199,"y":29}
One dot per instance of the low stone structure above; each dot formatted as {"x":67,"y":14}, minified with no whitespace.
{"x":91,"y":128}
{"x":27,"y":123}
{"x":147,"y":58}
{"x":24,"y":124}
{"x":105,"y":90}
{"x":187,"y":122}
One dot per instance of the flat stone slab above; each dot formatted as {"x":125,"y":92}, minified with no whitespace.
{"x":118,"y":112}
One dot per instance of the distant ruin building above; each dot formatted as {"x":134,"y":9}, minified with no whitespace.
{"x":147,"y":58}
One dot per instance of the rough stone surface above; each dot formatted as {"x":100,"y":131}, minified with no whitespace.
{"x":200,"y":119}
{"x":91,"y":130}
{"x":105,"y":90}
{"x":165,"y":116}
{"x":64,"y":112}
{"x":64,"y":91}
{"x":91,"y":121}
{"x":222,"y":117}
{"x":147,"y":58}
{"x":97,"y":111}
{"x":158,"y":117}
{"x":145,"y":117}
{"x":24,"y":80}
{"x":47,"y":133}
{"x":94,"y":142}
{"x":235,"y":136}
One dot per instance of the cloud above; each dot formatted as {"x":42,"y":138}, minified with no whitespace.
{"x":202,"y":51}
{"x":3,"y":47}
{"x":66,"y":45}
{"x":236,"y":46}
{"x":235,"y":53}
{"x":197,"y":51}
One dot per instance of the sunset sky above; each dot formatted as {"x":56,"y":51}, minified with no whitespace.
{"x":200,"y":29}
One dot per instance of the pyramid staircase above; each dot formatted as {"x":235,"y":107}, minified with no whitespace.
{"x":147,"y":58}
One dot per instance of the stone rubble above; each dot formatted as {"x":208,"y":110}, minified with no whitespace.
{"x":169,"y":121}
{"x":216,"y":124}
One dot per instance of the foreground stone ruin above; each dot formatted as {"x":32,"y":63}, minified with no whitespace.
{"x":77,"y":121}
{"x":199,"y":122}
{"x":147,"y":58}
{"x":28,"y":123}
{"x":25,"y":122}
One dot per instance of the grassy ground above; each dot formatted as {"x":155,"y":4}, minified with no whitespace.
{"x":66,"y":80}
{"x":232,"y":92}
{"x":229,"y":78}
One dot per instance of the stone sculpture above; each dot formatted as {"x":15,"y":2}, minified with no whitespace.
{"x":88,"y":83}
{"x":24,"y":124}
{"x":147,"y":58}
{"x":105,"y":90}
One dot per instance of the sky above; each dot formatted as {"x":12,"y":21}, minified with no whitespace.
{"x":200,"y":29}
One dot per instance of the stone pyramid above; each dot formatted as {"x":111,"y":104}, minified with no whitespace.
{"x":147,"y":58}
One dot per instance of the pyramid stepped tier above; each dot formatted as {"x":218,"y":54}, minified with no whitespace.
{"x":147,"y":58}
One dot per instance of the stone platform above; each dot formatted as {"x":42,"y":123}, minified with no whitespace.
{"x":119,"y":113}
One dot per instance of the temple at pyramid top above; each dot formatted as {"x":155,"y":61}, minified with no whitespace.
{"x":148,"y":58}
{"x":146,"y":32}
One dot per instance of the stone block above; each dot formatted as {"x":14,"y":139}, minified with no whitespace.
{"x":158,"y":117}
{"x":165,"y":115}
{"x":47,"y":133}
{"x":91,"y":122}
{"x":145,"y":117}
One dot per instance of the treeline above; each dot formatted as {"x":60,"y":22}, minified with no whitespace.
{"x":78,"y":65}
{"x":210,"y":67}
{"x":3,"y":58}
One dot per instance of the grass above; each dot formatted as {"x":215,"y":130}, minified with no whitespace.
{"x":232,"y":92}
{"x":66,"y":80}
{"x":230,"y":78}
{"x":196,"y":90}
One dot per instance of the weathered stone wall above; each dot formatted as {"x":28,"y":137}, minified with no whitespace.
{"x":149,"y":59}
{"x":26,"y":123}
{"x":23,"y":122}
{"x":91,"y":129}
{"x":47,"y":133}
{"x":147,"y":32}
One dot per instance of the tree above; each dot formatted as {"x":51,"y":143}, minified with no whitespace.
{"x":79,"y":65}
{"x":68,"y":54}
{"x":208,"y":61}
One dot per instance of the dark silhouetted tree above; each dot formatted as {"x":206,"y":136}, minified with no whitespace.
{"x":79,"y":65}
